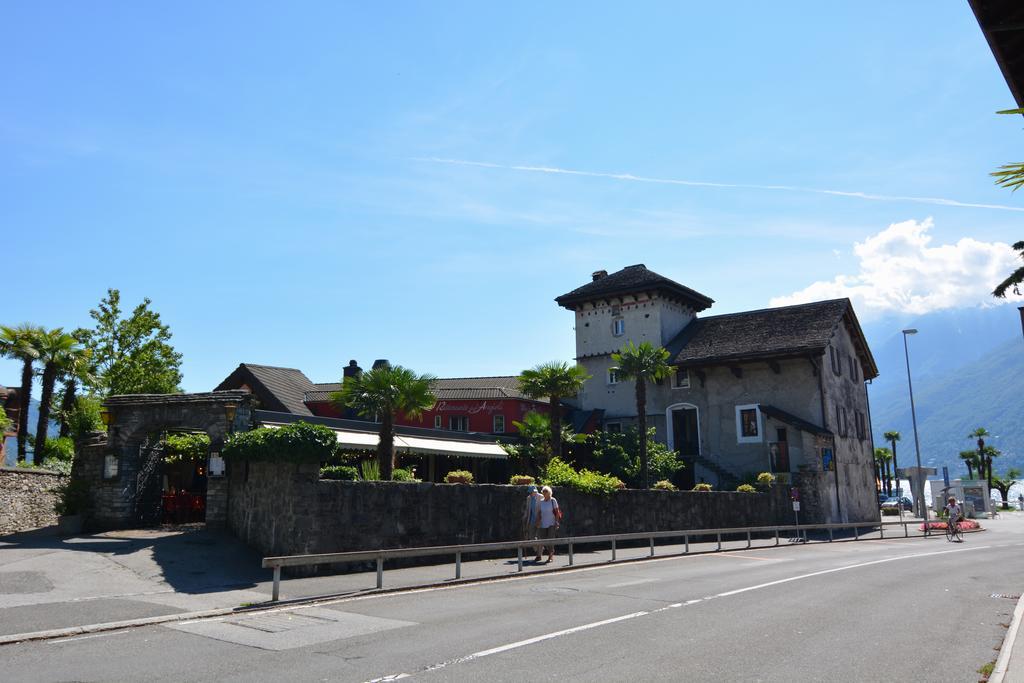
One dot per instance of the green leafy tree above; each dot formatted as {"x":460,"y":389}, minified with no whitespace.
{"x":382,"y":394}
{"x":1003,"y":482}
{"x":619,"y":454}
{"x":54,"y":347}
{"x":132,"y":355}
{"x":84,"y":417}
{"x":554,"y":381}
{"x":642,"y":364}
{"x":892,"y":437}
{"x":21,"y":343}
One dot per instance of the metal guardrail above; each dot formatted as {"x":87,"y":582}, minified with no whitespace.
{"x":276,"y":563}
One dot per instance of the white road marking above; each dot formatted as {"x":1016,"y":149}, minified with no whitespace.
{"x":86,"y":637}
{"x":636,"y":615}
{"x":631,"y":583}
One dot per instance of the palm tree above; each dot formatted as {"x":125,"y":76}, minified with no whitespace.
{"x":1016,"y":277}
{"x":19,"y":343}
{"x":883,"y":456}
{"x":76,"y":368}
{"x":554,"y":381}
{"x":54,"y":346}
{"x":983,"y":467}
{"x":382,"y":394}
{"x":892,"y":437}
{"x":642,"y":363}
{"x":970,"y":459}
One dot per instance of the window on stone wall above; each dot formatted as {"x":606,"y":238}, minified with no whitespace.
{"x":681,"y":379}
{"x":618,"y":327}
{"x":748,"y":424}
{"x":837,"y":361}
{"x":613,"y":427}
{"x":613,"y":376}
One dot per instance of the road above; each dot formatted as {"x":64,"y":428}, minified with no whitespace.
{"x":894,"y":609}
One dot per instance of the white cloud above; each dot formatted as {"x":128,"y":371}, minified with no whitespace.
{"x":899,"y":271}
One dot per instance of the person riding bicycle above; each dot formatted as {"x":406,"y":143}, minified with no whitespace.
{"x":955,"y":513}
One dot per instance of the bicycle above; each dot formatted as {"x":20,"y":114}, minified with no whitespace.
{"x":954,"y":534}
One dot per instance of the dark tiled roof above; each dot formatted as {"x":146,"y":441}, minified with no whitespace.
{"x":794,"y":421}
{"x":632,"y":279}
{"x":449,"y":389}
{"x":767,"y":333}
{"x":281,"y":389}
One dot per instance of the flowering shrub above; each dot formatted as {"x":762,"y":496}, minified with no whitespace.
{"x":766,"y":479}
{"x":521,"y":480}
{"x":702,"y":487}
{"x":459,"y":477}
{"x":746,"y":488}
{"x":965,"y":525}
{"x":400,"y":474}
{"x":664,"y":485}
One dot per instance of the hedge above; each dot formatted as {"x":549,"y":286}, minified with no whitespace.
{"x":297,"y":442}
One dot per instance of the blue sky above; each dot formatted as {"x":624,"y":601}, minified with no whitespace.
{"x":281,"y":182}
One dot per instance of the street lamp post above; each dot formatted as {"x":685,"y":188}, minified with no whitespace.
{"x":913,"y":416}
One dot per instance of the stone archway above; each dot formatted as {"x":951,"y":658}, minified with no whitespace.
{"x":125,"y":480}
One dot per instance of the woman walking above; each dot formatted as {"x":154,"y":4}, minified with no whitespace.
{"x":549,"y":519}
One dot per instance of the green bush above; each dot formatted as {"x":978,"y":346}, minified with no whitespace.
{"x":401,"y":474}
{"x":560,"y":473}
{"x":59,"y":449}
{"x":296,"y":442}
{"x":746,"y":488}
{"x":73,"y":498}
{"x":339,"y":472}
{"x":618,"y":454}
{"x":84,"y":417}
{"x":459,"y":477}
{"x":521,"y":480}
{"x":702,"y":487}
{"x":179,"y":447}
{"x":664,"y":485}
{"x":766,"y":479}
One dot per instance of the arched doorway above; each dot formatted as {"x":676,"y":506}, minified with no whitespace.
{"x":683,"y":426}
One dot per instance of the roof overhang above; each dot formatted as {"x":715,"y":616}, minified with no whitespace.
{"x":1002,"y":23}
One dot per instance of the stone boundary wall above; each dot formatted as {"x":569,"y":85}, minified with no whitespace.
{"x":284,"y":509}
{"x":26,"y":498}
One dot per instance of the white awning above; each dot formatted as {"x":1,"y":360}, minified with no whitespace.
{"x":417,"y":444}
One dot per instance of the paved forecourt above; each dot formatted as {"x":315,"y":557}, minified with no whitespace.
{"x":873,"y":610}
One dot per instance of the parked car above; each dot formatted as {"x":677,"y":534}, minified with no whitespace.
{"x":882,"y":497}
{"x":892,"y":505}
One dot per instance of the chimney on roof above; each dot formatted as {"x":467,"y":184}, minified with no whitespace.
{"x":351,"y":370}
{"x":598,"y":274}
{"x":381,"y":363}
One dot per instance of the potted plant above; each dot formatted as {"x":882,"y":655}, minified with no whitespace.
{"x":73,"y":501}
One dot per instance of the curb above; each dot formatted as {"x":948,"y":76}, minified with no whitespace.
{"x":1006,"y":651}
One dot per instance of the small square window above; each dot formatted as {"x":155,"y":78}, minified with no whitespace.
{"x":618,"y":327}
{"x":681,"y":379}
{"x":613,"y":427}
{"x":499,"y":424}
{"x":613,"y":376}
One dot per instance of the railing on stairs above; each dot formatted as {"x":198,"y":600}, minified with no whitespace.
{"x":726,"y":479}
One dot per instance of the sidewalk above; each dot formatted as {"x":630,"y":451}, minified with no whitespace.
{"x":48,"y":582}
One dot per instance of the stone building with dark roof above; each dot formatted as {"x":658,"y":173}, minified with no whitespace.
{"x":779,"y":389}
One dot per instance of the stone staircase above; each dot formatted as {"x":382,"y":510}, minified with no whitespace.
{"x":727,"y":480}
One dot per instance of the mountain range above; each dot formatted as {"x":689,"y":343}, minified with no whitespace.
{"x":967,"y":369}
